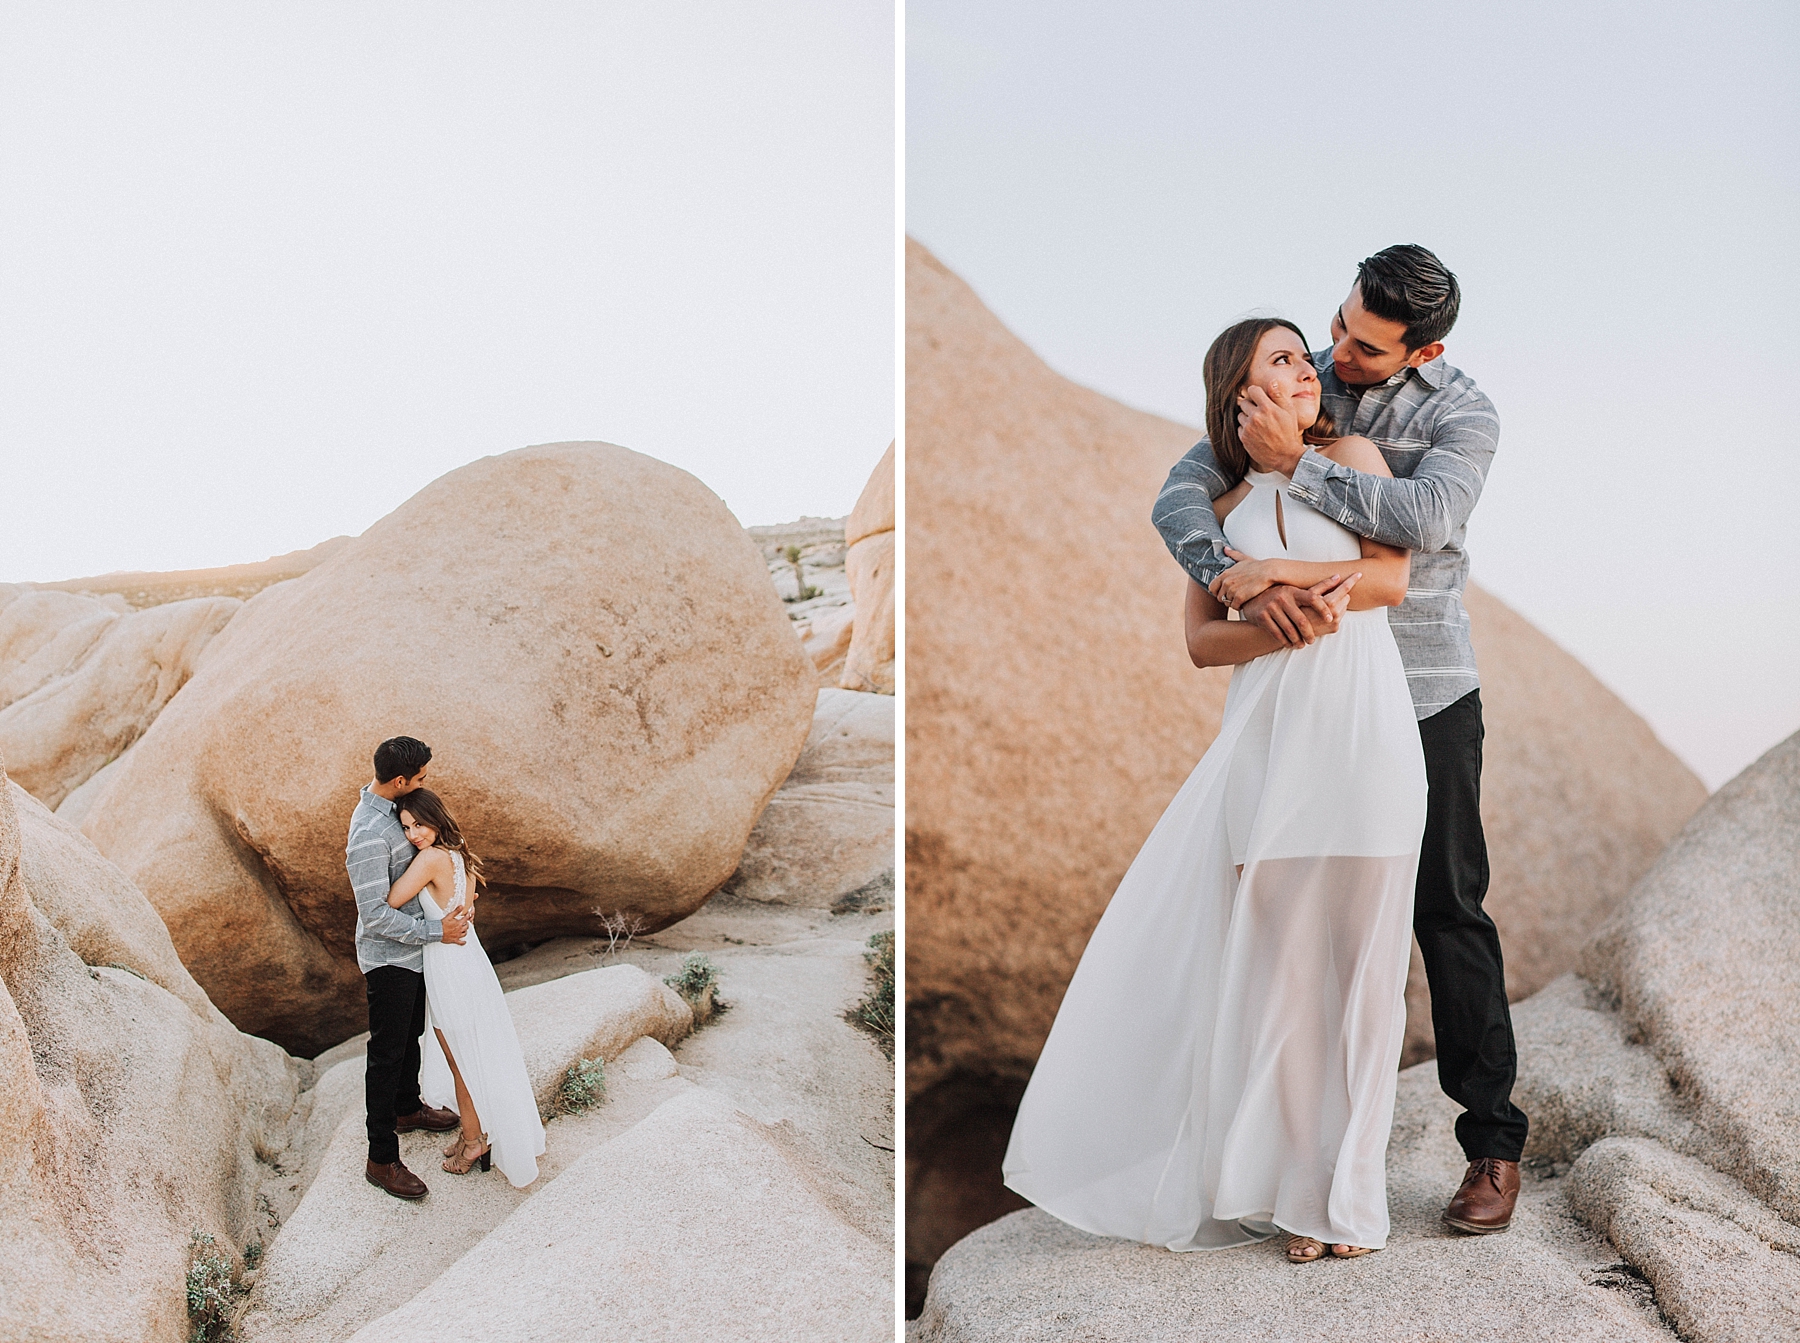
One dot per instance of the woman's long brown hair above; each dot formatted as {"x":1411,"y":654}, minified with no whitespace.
{"x":1225,"y":370}
{"x":428,"y":808}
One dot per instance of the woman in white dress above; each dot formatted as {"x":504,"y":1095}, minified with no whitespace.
{"x":1224,"y":1062}
{"x":470,"y":1051}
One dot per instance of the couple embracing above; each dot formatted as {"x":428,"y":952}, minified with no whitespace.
{"x":1224,"y":1063}
{"x":439,"y":1029}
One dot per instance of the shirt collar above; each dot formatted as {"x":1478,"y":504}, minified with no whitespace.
{"x":1433,"y":373}
{"x":377,"y":801}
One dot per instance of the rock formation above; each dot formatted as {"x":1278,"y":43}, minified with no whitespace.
{"x":140,"y":590}
{"x":1052,"y":713}
{"x":829,"y":830}
{"x":806,"y":565}
{"x":869,"y":534}
{"x":770,"y":1139}
{"x":131,"y":1112}
{"x":589,"y":643}
{"x":84,"y":681}
{"x":1662,"y":1189}
{"x":695,"y":1173}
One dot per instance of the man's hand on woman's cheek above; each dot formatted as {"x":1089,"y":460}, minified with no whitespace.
{"x":1269,"y":429}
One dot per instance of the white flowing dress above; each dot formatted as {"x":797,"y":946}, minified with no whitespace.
{"x":463,"y":999}
{"x":1225,"y":1059}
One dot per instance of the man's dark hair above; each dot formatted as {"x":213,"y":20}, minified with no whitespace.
{"x":1408,"y":284}
{"x":400,"y":758}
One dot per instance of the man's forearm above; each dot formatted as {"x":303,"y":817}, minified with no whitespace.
{"x":1184,"y":517}
{"x":1421,"y":512}
{"x":369,"y":880}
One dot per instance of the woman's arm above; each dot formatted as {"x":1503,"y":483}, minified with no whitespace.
{"x":425,"y":868}
{"x":1214,"y":641}
{"x":1385,"y":569}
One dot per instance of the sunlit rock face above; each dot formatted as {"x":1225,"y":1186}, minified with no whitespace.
{"x":82,"y":678}
{"x":592,"y":648}
{"x":131,"y":1112}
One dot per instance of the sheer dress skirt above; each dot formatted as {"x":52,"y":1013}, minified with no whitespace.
{"x":1225,"y":1058}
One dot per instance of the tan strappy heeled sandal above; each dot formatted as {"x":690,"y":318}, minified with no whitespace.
{"x":1351,"y":1251}
{"x":464,"y":1161}
{"x":1304,"y":1249}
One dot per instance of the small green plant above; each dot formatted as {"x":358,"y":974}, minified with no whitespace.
{"x":875,"y":1013}
{"x":696,"y":982}
{"x":211,"y":1293}
{"x":697,"y":974}
{"x":583,"y":1085}
{"x":803,"y":591}
{"x":253,"y":1253}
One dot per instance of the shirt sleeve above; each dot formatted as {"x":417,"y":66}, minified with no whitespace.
{"x":366,"y":860}
{"x":1183,"y":514}
{"x":1426,"y":509}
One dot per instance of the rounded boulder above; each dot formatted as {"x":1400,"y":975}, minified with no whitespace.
{"x":585,"y":637}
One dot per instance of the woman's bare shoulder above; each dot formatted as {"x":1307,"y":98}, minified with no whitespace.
{"x":1357,"y":453}
{"x":1230,"y":499}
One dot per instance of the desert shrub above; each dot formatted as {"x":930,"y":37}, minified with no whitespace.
{"x":696,"y":982}
{"x":211,"y":1293}
{"x":696,"y":976}
{"x":619,"y":929}
{"x":583,"y":1085}
{"x":253,"y":1253}
{"x":876,"y":1010}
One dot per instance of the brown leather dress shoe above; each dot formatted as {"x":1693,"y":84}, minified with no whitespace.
{"x":1484,"y":1204}
{"x":396,"y":1179}
{"x":438,"y":1121}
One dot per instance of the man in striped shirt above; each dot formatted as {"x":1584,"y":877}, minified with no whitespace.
{"x":390,"y":952}
{"x":1384,"y":377}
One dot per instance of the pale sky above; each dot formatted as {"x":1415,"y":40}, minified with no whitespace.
{"x":267,"y":269}
{"x":1617,"y":187}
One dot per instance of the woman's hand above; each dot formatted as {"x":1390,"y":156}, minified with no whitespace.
{"x":1246,"y":579}
{"x":1336,"y":596}
{"x":1298,"y":616}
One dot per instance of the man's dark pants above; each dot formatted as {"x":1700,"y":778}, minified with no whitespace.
{"x":1476,"y":1059}
{"x":391,"y":1076}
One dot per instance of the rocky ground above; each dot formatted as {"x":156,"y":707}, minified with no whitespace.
{"x":1661,"y":1196}
{"x":656,"y":767}
{"x":778,"y":1092}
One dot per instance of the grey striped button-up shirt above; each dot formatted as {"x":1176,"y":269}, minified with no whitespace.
{"x":1438,"y":433}
{"x":376,"y":856}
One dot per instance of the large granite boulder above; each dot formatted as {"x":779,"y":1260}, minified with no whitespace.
{"x":1052,"y":713}
{"x":829,"y":830}
{"x":131,"y":1112}
{"x":591,"y":646}
{"x":1661,"y":1176}
{"x":45,"y":635}
{"x":871,"y":563}
{"x":96,"y":682}
{"x":696,"y":1213}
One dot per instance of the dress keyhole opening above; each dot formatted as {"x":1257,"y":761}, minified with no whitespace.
{"x":1280,"y":521}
